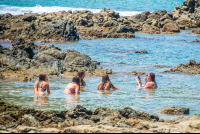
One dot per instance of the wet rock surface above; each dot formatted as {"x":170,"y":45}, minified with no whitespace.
{"x":18,"y":119}
{"x":71,"y":26}
{"x":192,"y":67}
{"x":136,"y":73}
{"x":49,"y":59}
{"x":174,"y":110}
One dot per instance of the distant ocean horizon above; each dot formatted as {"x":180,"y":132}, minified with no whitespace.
{"x":123,"y":7}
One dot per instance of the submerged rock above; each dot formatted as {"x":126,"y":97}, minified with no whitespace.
{"x":174,"y":110}
{"x":137,"y":73}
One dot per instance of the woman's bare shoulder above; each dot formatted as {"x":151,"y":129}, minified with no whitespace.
{"x":45,"y":83}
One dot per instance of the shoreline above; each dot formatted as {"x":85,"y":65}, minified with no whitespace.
{"x":79,"y":119}
{"x":86,"y":25}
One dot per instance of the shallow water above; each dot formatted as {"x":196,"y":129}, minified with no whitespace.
{"x":174,"y":89}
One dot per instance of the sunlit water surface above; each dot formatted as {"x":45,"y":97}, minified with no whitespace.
{"x":174,"y":89}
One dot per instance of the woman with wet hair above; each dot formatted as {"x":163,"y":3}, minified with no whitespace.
{"x":73,"y":87}
{"x":150,"y":81}
{"x":81,"y":75}
{"x":41,"y":85}
{"x":106,"y":84}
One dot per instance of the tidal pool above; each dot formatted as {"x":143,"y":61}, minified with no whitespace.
{"x":174,"y":89}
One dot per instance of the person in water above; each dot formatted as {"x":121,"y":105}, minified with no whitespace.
{"x":73,"y":87}
{"x":106,"y":84}
{"x":81,"y":75}
{"x":150,"y":81}
{"x":41,"y":85}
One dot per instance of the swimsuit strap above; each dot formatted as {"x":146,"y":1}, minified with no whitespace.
{"x":70,"y":89}
{"x":44,"y":89}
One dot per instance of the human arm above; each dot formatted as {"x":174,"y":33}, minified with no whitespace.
{"x":76,"y":89}
{"x":35,"y":87}
{"x":139,"y":83}
{"x":48,"y":89}
{"x":113,"y":87}
{"x":98,"y":87}
{"x":84,"y":84}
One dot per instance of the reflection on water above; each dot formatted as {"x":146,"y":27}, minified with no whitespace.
{"x":149,"y":93}
{"x":105,"y":93}
{"x":71,"y":100}
{"x":40,"y":101}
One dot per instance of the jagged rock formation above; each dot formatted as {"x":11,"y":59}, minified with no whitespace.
{"x":50,"y":59}
{"x":18,"y":119}
{"x":192,"y":67}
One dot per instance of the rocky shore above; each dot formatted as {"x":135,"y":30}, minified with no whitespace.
{"x":65,"y":26}
{"x":26,"y":60}
{"x":18,"y":119}
{"x":192,"y":67}
{"x":23,"y":30}
{"x":23,"y":63}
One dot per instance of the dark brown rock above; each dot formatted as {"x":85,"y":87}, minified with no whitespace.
{"x":191,"y":67}
{"x":196,"y":41}
{"x":174,"y":110}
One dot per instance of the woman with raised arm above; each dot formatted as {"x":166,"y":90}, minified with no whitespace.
{"x":106,"y":84}
{"x":150,"y":81}
{"x":73,"y":87}
{"x":41,"y":85}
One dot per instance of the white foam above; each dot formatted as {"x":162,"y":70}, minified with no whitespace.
{"x":16,"y":10}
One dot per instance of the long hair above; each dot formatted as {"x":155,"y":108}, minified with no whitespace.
{"x":76,"y":80}
{"x":152,"y":75}
{"x":105,"y":79}
{"x":42,"y":77}
{"x":80,"y":74}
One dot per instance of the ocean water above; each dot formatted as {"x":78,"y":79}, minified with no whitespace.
{"x":174,"y":89}
{"x":123,"y":7}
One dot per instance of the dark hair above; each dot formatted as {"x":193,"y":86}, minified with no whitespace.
{"x":80,"y":74}
{"x":42,"y":77}
{"x":105,"y":79}
{"x":152,"y":75}
{"x":76,"y":79}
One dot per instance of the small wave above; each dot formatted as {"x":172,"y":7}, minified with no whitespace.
{"x":16,"y":10}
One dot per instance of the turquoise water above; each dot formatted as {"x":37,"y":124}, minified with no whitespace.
{"x":174,"y":89}
{"x":124,"y":7}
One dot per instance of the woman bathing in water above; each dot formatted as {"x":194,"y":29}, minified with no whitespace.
{"x":73,"y":87}
{"x":81,"y":75}
{"x":41,"y":85}
{"x":106,"y":84}
{"x":149,"y":81}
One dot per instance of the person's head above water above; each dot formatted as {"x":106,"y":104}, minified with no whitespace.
{"x":152,"y":76}
{"x":81,"y":74}
{"x":76,"y":80}
{"x":105,"y":78}
{"x":42,"y":77}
